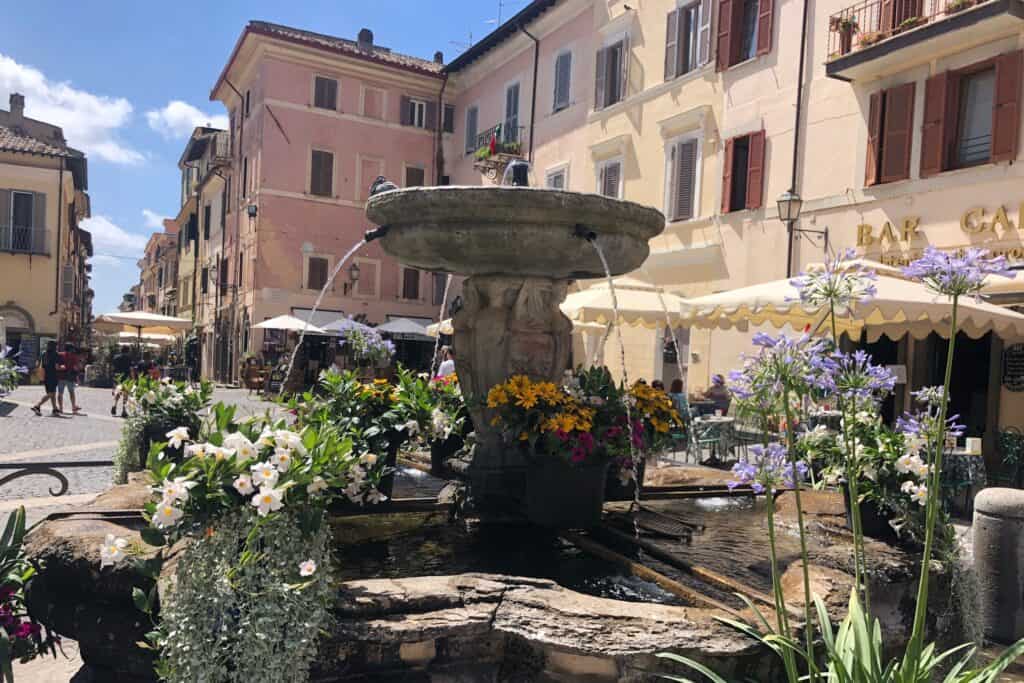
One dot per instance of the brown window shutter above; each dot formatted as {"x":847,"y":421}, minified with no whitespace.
{"x":1006,"y":108}
{"x":765,"y":10}
{"x":755,"y":170}
{"x":899,"y":123}
{"x":601,"y":77}
{"x":874,"y":137}
{"x":685,"y":179}
{"x":933,"y":130}
{"x":725,"y":38}
{"x":403,"y":105}
{"x":727,"y":176}
{"x":430,"y":116}
{"x":671,"y":44}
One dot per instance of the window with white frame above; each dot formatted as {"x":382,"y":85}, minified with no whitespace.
{"x":557,"y":178}
{"x":417,"y":115}
{"x":609,"y":178}
{"x":563,"y":81}
{"x":472,"y":125}
{"x":510,"y":132}
{"x":612,"y":73}
{"x":683,"y":174}
{"x":325,"y":93}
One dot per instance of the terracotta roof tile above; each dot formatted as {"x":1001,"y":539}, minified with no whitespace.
{"x":12,"y":140}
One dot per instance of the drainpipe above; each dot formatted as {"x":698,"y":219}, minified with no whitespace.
{"x":796,"y":132}
{"x":238,"y":228}
{"x":439,"y":134}
{"x":60,"y":211}
{"x":533,"y":96}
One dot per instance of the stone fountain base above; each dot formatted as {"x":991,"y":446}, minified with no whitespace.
{"x":462,"y":627}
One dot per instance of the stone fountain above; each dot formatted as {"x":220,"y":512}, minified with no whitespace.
{"x":520,"y":247}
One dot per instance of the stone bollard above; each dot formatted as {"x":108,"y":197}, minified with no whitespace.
{"x":999,"y":562}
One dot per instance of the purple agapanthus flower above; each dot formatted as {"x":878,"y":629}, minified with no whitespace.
{"x":799,"y":364}
{"x":840,"y":285}
{"x":857,"y":379}
{"x":959,"y":273}
{"x":769,"y":469}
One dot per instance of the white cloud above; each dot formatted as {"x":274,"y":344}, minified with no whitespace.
{"x":177,"y":119}
{"x":151,"y":219}
{"x":111,"y":240}
{"x":108,"y":261}
{"x":90,"y":122}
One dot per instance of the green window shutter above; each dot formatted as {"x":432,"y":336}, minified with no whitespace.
{"x":5,"y":219}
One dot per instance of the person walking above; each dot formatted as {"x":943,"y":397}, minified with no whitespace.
{"x":122,"y":371}
{"x":49,"y":363}
{"x":68,"y":377}
{"x":447,"y":366}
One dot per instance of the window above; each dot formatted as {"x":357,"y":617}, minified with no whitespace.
{"x":563,"y":80}
{"x":510,"y":129}
{"x":743,"y":177}
{"x":316,"y":273}
{"x":245,"y":177}
{"x":160,"y":278}
{"x":472,"y":116}
{"x":204,"y":281}
{"x":414,"y":177}
{"x":612,"y":71}
{"x":609,"y":178}
{"x":440,"y":282}
{"x":207,"y":211}
{"x":247,"y":101}
{"x":682,"y":179}
{"x":687,"y":39}
{"x":325,"y":93}
{"x":321,"y":173}
{"x":448,"y":120}
{"x":890,"y":122}
{"x":555,"y":179}
{"x":415,"y":113}
{"x":28,"y":221}
{"x":369,"y":273}
{"x":222,"y":276}
{"x":972,"y":115}
{"x":369,"y":169}
{"x":410,"y":284}
{"x":744,"y":30}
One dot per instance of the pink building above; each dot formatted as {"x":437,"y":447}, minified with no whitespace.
{"x":314,"y":120}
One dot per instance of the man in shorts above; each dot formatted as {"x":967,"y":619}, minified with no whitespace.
{"x":49,"y":363}
{"x":122,"y":371}
{"x":68,"y":377}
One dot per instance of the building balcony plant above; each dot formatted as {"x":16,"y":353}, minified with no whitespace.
{"x":845,"y":27}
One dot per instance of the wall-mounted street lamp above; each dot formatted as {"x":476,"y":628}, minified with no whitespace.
{"x":252,"y":210}
{"x":353,"y":273}
{"x":790,"y":204}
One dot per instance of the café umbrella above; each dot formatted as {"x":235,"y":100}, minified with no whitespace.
{"x":139,"y":322}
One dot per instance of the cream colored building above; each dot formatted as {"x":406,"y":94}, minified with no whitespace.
{"x":44,"y":277}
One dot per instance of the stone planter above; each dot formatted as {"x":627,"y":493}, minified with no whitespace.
{"x":563,"y":496}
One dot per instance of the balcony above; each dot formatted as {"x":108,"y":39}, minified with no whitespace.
{"x":508,"y":146}
{"x":874,"y":38}
{"x":22,"y":239}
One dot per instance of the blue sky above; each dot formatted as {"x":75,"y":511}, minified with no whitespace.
{"x":129,"y":80}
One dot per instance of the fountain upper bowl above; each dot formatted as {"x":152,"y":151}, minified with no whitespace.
{"x":520,"y":231}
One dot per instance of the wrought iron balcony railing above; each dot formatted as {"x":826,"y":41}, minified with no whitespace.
{"x":22,"y":239}
{"x":870,"y":22}
{"x":508,"y":139}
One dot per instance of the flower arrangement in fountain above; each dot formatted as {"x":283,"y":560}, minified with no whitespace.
{"x":10,"y":372}
{"x":364,"y":345}
{"x":253,"y":591}
{"x":156,"y":406}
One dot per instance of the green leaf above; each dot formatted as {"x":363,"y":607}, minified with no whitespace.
{"x":150,"y":568}
{"x":696,"y":666}
{"x":140,"y":601}
{"x":153,"y":536}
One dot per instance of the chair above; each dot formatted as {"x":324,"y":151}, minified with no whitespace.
{"x":253,"y":378}
{"x":1010,"y":447}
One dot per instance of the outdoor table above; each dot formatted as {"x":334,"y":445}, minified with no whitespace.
{"x":963,"y":471}
{"x":702,"y":407}
{"x":718,"y":431}
{"x":830,"y":418}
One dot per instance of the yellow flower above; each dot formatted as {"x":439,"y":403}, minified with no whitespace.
{"x":524,"y":436}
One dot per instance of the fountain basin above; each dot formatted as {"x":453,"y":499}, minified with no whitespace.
{"x":519,"y":231}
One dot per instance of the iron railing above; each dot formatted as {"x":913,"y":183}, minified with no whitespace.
{"x":869,"y":22}
{"x":23,"y":239}
{"x":509,"y":139}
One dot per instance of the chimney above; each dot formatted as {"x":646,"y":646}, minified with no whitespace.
{"x":439,"y":57}
{"x":17,"y":107}
{"x":365,"y":39}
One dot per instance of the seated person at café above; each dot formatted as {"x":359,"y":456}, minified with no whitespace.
{"x":719,"y":394}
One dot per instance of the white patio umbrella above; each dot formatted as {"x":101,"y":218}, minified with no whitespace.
{"x":639,"y":304}
{"x":291,"y":324}
{"x":139,"y":321}
{"x":899,"y":306}
{"x":152,"y":338}
{"x":404,"y":328}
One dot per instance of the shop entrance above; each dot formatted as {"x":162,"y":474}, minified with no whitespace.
{"x":969,"y":386}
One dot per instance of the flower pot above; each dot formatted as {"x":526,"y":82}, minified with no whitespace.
{"x":562,"y":496}
{"x":441,"y":450}
{"x":615,"y":490}
{"x":845,"y":41}
{"x":874,"y":522}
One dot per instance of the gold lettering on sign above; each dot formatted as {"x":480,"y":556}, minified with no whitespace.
{"x":864,"y":237}
{"x":910,"y":228}
{"x":1001,"y":219}
{"x":971,"y":220}
{"x":887,"y":233}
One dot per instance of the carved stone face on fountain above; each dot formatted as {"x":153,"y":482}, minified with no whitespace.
{"x":520,"y":248}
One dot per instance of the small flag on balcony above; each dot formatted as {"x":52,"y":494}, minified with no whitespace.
{"x":493,"y":145}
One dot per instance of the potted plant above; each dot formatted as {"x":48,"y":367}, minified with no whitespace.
{"x":870,"y":38}
{"x":954,"y":6}
{"x":568,"y":439}
{"x":845,"y":27}
{"x":909,"y":23}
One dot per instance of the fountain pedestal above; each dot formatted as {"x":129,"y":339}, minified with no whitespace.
{"x":520,"y":247}
{"x":507,"y":326}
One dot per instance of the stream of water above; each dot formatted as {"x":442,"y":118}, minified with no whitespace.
{"x":690,"y":431}
{"x":316,"y":305}
{"x":440,"y":320}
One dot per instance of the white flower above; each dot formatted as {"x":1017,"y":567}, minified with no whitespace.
{"x":238,"y":441}
{"x":908,"y":486}
{"x":176,"y":489}
{"x":166,"y":515}
{"x":265,"y":439}
{"x":316,"y":486}
{"x":243,"y":484}
{"x":149,"y":397}
{"x":915,"y":443}
{"x":907,"y":463}
{"x":307,"y":568}
{"x":368,"y":459}
{"x":439,"y":422}
{"x":412,"y":427}
{"x":865,"y":417}
{"x":220,"y":453}
{"x":189,"y":390}
{"x":267,"y":500}
{"x":197,"y":450}
{"x":112,"y":550}
{"x":869,"y":471}
{"x":354,"y":492}
{"x":918,"y":494}
{"x":264,"y":474}
{"x":281,"y":459}
{"x":922,"y":469}
{"x":284,"y":438}
{"x":357,"y":474}
{"x":374,"y":496}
